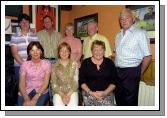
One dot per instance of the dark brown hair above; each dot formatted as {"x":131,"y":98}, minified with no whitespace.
{"x":62,"y":45}
{"x":38,"y":45}
{"x":23,"y":16}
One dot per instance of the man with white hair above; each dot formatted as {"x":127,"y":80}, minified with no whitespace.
{"x":132,"y":58}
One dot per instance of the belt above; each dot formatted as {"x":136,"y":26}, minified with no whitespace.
{"x":51,"y":58}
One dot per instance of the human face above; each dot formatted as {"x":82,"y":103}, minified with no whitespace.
{"x":92,"y":29}
{"x":35,"y":53}
{"x":64,"y":53}
{"x":69,"y":30}
{"x":24,"y":24}
{"x":126,"y":20}
{"x":48,"y":23}
{"x":98,"y":52}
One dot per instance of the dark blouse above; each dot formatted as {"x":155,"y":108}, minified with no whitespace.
{"x":97,"y":80}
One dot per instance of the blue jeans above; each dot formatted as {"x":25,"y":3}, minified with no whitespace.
{"x":42,"y":101}
{"x":16,"y":77}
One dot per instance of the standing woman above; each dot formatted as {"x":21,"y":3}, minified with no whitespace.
{"x":34,"y":77}
{"x":97,"y":77}
{"x":64,"y":78}
{"x":75,"y":43}
{"x":19,"y":42}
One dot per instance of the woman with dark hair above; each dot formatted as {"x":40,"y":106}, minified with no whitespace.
{"x":34,"y":77}
{"x":19,"y":42}
{"x":64,"y":78}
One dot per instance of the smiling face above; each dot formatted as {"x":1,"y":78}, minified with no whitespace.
{"x":69,"y":30}
{"x":92,"y":28}
{"x":24,"y":24}
{"x":126,"y":19}
{"x":48,"y":23}
{"x":98,"y":52}
{"x":35,"y":53}
{"x":64,"y":53}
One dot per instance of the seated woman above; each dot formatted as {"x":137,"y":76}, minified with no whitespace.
{"x":34,"y":77}
{"x":97,"y":77}
{"x":64,"y":78}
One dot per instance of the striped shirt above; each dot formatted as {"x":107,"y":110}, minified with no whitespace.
{"x":132,"y":47}
{"x":21,"y":42}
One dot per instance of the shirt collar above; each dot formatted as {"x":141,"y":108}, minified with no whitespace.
{"x":131,"y":29}
{"x":20,"y":34}
{"x":93,"y":36}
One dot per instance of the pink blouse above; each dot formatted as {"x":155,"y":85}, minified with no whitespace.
{"x":76,"y":47}
{"x":35,"y":73}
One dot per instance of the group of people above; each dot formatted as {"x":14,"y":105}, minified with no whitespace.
{"x":49,"y":67}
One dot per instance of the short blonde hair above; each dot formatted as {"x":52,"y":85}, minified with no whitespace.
{"x":69,"y":25}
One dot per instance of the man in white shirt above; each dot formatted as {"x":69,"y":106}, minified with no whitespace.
{"x":132,"y":58}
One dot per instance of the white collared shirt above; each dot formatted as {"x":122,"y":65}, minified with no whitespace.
{"x":131,"y":47}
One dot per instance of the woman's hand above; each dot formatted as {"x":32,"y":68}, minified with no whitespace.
{"x":96,"y":95}
{"x":101,"y":94}
{"x":66,"y":100}
{"x":27,"y":102}
{"x":33,"y":102}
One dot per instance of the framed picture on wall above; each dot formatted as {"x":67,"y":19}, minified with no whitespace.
{"x":81,"y":24}
{"x":145,"y":18}
{"x":40,"y":11}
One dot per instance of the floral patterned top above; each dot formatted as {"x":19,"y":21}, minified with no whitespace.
{"x":64,"y":78}
{"x":35,"y":74}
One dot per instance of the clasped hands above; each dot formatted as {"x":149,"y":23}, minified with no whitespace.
{"x":98,"y":95}
{"x":66,"y":98}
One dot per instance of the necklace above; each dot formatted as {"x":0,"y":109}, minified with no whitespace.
{"x":97,"y":62}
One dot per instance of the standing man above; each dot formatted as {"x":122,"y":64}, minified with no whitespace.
{"x":93,"y":35}
{"x":49,"y":39}
{"x":132,"y":58}
{"x":20,"y":41}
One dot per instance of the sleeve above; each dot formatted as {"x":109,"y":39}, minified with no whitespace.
{"x":108,"y":51}
{"x":80,"y":50}
{"x":59,"y":36}
{"x":54,"y":84}
{"x":144,"y":44}
{"x":13,"y":40}
{"x":36,"y":38}
{"x":83,"y":47}
{"x":113,"y":79}
{"x":47,"y":67}
{"x":23,"y":68}
{"x":75,"y":82}
{"x":82,"y":78}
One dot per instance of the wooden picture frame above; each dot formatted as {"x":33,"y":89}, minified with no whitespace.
{"x":80,"y":24}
